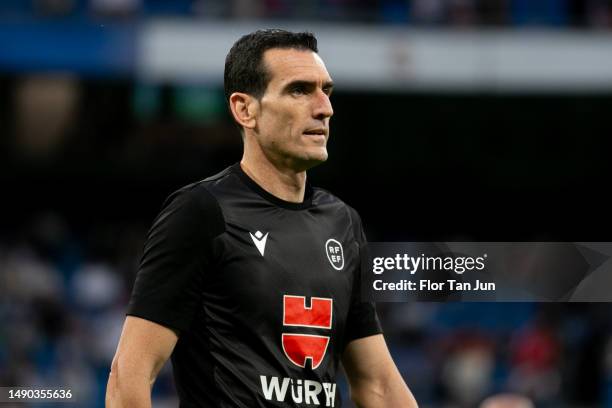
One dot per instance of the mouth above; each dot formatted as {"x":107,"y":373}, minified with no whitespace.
{"x":316,"y":132}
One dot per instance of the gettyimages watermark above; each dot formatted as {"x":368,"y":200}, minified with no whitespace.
{"x":489,"y":271}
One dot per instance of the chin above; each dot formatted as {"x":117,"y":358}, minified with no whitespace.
{"x":306,"y":162}
{"x":319,"y":157}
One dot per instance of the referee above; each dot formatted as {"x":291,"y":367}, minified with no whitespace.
{"x":250,"y":279}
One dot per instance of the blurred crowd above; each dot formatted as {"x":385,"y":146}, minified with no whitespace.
{"x":62,"y":307}
{"x":516,"y":13}
{"x":63,"y":296}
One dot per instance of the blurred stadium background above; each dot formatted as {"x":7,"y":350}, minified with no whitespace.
{"x":455,"y":120}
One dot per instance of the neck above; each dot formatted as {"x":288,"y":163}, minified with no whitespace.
{"x":282,"y":182}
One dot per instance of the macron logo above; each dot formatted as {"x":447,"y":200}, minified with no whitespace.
{"x":259,"y":240}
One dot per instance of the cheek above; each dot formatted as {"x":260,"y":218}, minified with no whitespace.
{"x":275,"y":118}
{"x":283,"y":121}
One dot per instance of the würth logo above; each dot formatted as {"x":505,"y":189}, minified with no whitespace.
{"x":259,"y":240}
{"x":301,"y":347}
{"x":335,"y":254}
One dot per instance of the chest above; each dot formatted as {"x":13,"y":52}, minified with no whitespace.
{"x":266,"y":256}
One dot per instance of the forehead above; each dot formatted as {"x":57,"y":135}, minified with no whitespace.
{"x":285,"y":65}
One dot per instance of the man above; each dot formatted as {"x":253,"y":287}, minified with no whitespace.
{"x":249,"y":279}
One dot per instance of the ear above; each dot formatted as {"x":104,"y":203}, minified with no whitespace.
{"x":244,"y":108}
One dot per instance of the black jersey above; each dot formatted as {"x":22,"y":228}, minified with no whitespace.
{"x":265,"y":294}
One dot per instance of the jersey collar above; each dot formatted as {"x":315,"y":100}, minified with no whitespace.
{"x":270,"y":197}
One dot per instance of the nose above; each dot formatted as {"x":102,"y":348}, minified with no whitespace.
{"x":322,"y":106}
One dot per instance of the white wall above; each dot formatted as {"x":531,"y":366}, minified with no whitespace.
{"x":363,"y":57}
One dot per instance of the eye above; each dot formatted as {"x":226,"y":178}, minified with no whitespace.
{"x":327,"y":90}
{"x":298,"y":90}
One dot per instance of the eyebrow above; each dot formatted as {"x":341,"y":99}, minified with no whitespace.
{"x":308,"y":84}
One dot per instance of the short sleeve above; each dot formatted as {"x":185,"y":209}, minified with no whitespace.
{"x":177,"y":252}
{"x":362,"y":319}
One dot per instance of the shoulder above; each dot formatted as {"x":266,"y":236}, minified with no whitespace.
{"x":199,"y":193}
{"x":204,"y":191}
{"x":323,"y":198}
{"x":196,"y":204}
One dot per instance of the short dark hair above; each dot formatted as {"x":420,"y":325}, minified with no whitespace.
{"x":244,"y":67}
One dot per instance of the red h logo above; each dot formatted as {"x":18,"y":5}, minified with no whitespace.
{"x":300,"y":347}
